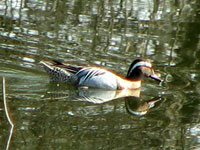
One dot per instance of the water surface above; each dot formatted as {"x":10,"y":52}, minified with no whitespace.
{"x":109,"y":33}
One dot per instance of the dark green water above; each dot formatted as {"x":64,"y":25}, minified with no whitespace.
{"x":109,"y":33}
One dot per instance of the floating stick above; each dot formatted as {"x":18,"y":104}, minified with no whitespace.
{"x":7,"y":114}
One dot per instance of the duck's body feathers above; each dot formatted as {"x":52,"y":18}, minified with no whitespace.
{"x":99,"y":77}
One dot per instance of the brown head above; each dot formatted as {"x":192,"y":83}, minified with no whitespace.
{"x":141,"y":68}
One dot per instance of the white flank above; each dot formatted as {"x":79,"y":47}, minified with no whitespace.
{"x":142,"y":63}
{"x":99,"y":78}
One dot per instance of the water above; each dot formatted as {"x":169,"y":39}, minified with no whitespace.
{"x":109,"y":33}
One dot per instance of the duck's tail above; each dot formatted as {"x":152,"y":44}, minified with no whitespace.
{"x":47,"y":66}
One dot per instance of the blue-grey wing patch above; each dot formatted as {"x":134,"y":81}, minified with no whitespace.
{"x":87,"y":73}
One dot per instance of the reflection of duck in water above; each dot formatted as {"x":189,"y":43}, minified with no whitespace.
{"x":99,"y":96}
{"x":133,"y":103}
{"x":98,"y":77}
{"x":137,"y":107}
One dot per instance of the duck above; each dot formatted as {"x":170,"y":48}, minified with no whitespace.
{"x":100,"y":77}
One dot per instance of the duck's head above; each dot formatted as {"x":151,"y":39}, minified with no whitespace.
{"x":140,"y":68}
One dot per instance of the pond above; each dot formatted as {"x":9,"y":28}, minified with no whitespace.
{"x":112,"y":34}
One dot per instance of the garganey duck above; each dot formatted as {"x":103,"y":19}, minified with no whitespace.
{"x":98,"y":77}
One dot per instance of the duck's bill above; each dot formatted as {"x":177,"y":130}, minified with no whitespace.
{"x":155,"y":77}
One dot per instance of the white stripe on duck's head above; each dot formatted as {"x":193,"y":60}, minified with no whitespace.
{"x":140,"y":68}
